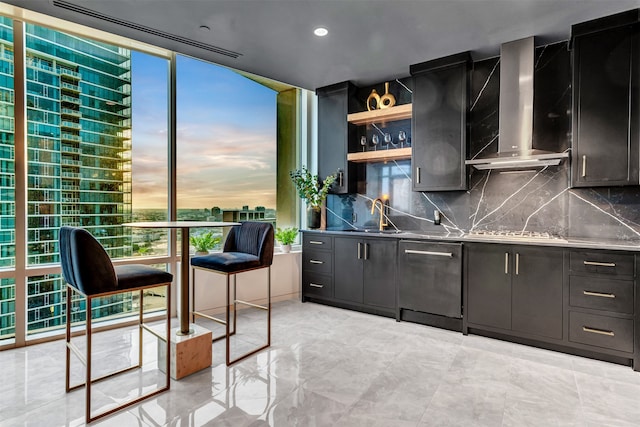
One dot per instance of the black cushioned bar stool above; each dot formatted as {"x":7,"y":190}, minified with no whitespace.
{"x":249,"y":246}
{"x":89,"y":272}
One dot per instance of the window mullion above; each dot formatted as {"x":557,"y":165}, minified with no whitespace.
{"x":20,"y":165}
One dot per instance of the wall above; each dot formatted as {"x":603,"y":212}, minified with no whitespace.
{"x":534,"y":200}
{"x":286,"y":275}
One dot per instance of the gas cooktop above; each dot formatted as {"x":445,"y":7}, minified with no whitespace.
{"x":508,"y":234}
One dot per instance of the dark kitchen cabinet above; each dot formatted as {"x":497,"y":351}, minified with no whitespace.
{"x":440,"y":92}
{"x":317,"y":266}
{"x":605,"y":93}
{"x":515,"y":288}
{"x":365,"y":271}
{"x":536,"y":291}
{"x":601,"y":309}
{"x":488,"y":285}
{"x":349,"y":274}
{"x":333,"y":136}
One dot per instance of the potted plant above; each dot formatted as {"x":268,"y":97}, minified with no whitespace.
{"x":204,"y":242}
{"x":313,"y":191}
{"x":286,"y":236}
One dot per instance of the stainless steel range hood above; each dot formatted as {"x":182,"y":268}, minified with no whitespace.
{"x":515,"y":140}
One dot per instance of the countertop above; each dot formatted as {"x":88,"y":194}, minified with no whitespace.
{"x":571,"y":242}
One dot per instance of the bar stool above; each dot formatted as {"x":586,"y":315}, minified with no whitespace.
{"x":89,"y":272}
{"x":249,"y":246}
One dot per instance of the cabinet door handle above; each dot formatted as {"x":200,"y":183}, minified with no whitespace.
{"x":598,"y":331}
{"x":584,"y":165}
{"x":366,"y":251}
{"x":517,"y":263}
{"x":600,"y":264}
{"x":506,"y":263}
{"x":413,"y":251}
{"x":359,"y":251}
{"x":315,"y":242}
{"x":340,"y":178}
{"x":598,"y":294}
{"x":315,"y":285}
{"x":418,"y":175}
{"x":315,"y":261}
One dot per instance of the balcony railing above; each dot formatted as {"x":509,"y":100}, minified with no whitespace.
{"x":68,"y":149}
{"x":69,"y":73}
{"x":71,"y":112}
{"x":71,"y":137}
{"x":70,"y":125}
{"x":69,"y":86}
{"x":71,"y":99}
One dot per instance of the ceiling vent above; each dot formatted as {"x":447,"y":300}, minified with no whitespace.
{"x":94,"y":14}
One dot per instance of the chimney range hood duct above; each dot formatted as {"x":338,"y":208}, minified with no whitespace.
{"x":516,"y":113}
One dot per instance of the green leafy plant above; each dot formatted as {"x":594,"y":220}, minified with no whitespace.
{"x":204,"y":242}
{"x":309,"y":186}
{"x":286,"y":236}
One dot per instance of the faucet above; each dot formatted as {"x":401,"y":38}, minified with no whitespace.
{"x":381,"y":206}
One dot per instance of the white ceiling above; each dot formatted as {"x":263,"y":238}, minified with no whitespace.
{"x":369,"y":41}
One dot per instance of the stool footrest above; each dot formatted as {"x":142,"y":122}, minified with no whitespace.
{"x":206,"y":316}
{"x":262,"y":307}
{"x":153,"y":332}
{"x":106,"y":376}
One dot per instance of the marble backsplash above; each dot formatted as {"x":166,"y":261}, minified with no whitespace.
{"x":529,"y":200}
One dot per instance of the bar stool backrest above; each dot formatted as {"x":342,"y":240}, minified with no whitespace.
{"x":255,"y":238}
{"x":85,"y":264}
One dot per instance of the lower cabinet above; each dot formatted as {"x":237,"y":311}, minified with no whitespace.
{"x":317,"y":266}
{"x":515,"y":288}
{"x":601,"y":303}
{"x":365,"y":271}
{"x":351,"y":272}
{"x":577,"y":301}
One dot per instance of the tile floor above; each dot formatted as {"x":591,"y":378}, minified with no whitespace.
{"x":333,"y":367}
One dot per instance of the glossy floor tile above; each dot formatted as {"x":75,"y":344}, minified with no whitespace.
{"x":326,"y":367}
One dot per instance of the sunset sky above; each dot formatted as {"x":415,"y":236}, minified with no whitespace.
{"x":226,"y":136}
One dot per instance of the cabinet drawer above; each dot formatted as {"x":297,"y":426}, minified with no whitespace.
{"x":603,"y":264}
{"x":601,"y":294}
{"x":317,"y":261}
{"x":315,"y":241}
{"x":317,"y":284}
{"x":601,"y":331}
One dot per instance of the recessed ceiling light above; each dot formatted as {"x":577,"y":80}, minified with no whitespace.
{"x":320,"y":31}
{"x":204,"y":28}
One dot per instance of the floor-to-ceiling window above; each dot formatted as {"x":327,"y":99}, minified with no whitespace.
{"x":94,"y":142}
{"x":226,"y":139}
{"x":80,"y":121}
{"x":88,"y":149}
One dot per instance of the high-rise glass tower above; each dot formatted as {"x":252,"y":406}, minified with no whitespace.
{"x":79,"y":158}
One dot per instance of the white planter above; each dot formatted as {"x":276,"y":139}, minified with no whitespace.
{"x":285,"y":248}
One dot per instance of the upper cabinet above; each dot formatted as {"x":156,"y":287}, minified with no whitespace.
{"x":333,"y":136}
{"x":605,"y":94}
{"x":440,"y":102}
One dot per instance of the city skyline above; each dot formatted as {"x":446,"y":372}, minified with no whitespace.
{"x":226,"y":136}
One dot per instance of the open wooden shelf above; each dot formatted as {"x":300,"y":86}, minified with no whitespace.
{"x":380,"y":155}
{"x":399,"y":112}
